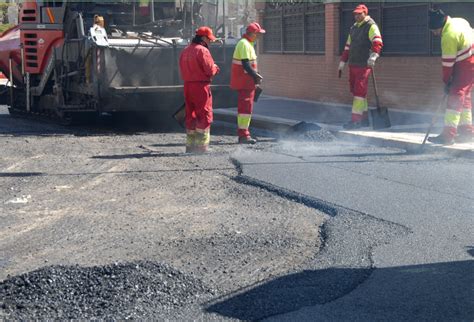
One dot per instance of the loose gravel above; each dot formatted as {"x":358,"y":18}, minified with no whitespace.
{"x":117,"y":291}
{"x":92,"y":197}
{"x":304,"y":131}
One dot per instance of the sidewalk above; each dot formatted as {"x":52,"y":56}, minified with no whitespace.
{"x":277,"y":114}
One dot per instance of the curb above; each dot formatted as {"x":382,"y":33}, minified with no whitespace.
{"x":280,"y":126}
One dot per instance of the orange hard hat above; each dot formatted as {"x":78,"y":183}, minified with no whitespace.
{"x":207,"y":32}
{"x":361,"y":9}
{"x":256,"y":28}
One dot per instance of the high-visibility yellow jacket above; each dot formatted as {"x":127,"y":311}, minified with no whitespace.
{"x":239,"y":78}
{"x":457,"y":46}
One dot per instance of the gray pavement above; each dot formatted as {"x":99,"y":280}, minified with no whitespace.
{"x":426,"y":274}
{"x":396,"y":243}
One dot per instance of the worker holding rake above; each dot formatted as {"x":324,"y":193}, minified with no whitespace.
{"x":457,"y":49}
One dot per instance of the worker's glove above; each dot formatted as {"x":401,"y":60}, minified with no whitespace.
{"x":371,"y":61}
{"x":341,"y":66}
{"x":258,"y":79}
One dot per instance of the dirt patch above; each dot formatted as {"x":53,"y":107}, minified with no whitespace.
{"x":104,"y":198}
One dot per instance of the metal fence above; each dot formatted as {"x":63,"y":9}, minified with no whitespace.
{"x":404,"y":25}
{"x":294,"y":27}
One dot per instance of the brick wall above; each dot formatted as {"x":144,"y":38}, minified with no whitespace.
{"x":403,"y":82}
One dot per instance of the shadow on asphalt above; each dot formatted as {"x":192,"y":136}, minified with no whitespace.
{"x":177,"y":145}
{"x":129,"y":124}
{"x":441,"y":291}
{"x":20,"y":174}
{"x":138,"y":156}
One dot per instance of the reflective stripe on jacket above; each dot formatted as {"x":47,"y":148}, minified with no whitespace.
{"x":373,"y":36}
{"x":240,"y":79}
{"x":457,"y":45}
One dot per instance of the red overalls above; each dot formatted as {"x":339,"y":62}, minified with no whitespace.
{"x":197,"y":69}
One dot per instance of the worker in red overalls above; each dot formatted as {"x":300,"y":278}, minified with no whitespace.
{"x":244,"y":78}
{"x":197,"y":70}
{"x":457,"y":49}
{"x":362,"y":49}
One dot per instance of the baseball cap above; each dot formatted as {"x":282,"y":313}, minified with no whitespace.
{"x":205,"y":31}
{"x":255,"y":27}
{"x":361,"y":9}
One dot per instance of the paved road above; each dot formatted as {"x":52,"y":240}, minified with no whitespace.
{"x":397,"y":242}
{"x":426,"y":201}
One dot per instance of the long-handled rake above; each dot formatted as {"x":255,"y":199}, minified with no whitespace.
{"x":434,"y":119}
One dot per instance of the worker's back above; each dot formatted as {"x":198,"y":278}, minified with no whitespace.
{"x":457,"y":36}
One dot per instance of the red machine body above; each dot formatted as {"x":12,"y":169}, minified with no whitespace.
{"x":36,"y":37}
{"x":10,"y":47}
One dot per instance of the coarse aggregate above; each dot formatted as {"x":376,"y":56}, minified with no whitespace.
{"x":114,"y":291}
{"x":82,"y":197}
{"x":310,"y":132}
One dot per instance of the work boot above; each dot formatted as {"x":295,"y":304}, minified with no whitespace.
{"x":441,"y":139}
{"x":201,"y":149}
{"x":190,"y":149}
{"x":365,"y":123}
{"x":463,"y":138}
{"x":247,"y":140}
{"x":352,"y":125}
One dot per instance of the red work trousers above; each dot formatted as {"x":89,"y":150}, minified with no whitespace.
{"x":198,"y":99}
{"x":359,"y":84}
{"x":244,"y":111}
{"x":459,"y":100}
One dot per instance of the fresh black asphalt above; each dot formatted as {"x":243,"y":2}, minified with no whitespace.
{"x":426,"y":273}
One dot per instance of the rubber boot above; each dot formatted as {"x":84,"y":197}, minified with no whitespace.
{"x":464,"y":138}
{"x":352,"y":125}
{"x":202,"y":142}
{"x":247,"y":140}
{"x":442,"y":139}
{"x":465,"y":134}
{"x":190,"y":142}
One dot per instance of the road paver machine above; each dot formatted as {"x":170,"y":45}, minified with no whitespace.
{"x":59,"y":63}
